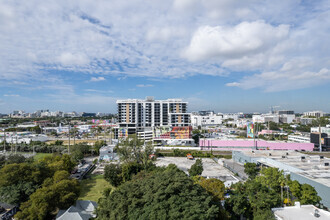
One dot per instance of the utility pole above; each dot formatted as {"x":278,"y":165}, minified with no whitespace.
{"x":69,"y":140}
{"x":16,"y":143}
{"x":254,"y":137}
{"x":4,"y":141}
{"x":320,"y":138}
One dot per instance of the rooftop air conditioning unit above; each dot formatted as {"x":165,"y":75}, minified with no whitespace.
{"x":283,"y":156}
{"x":321,"y":157}
{"x":287,"y":154}
{"x":269,"y":154}
{"x":326,"y":164}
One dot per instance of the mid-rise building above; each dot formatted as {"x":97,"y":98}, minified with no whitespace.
{"x":209,"y":119}
{"x":135,"y":115}
{"x":316,"y":114}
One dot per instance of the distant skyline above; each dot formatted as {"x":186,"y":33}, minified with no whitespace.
{"x":223,"y":55}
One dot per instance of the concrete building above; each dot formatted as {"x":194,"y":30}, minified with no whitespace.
{"x":305,"y":121}
{"x":206,"y":119}
{"x":247,"y":145}
{"x":301,"y":212}
{"x":325,"y":130}
{"x":310,"y":169}
{"x":316,"y":114}
{"x":135,"y":115}
{"x":108,"y":153}
{"x":299,"y":138}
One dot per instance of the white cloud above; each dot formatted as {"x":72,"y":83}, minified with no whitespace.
{"x":244,"y":39}
{"x":98,"y":91}
{"x":67,"y":59}
{"x":97,"y":79}
{"x":11,"y":95}
{"x":43,"y":42}
{"x":144,"y":85}
{"x":233,"y":84}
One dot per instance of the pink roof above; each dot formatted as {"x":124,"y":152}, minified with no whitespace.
{"x":249,"y":144}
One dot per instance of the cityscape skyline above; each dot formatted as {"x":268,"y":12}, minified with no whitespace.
{"x":223,"y":55}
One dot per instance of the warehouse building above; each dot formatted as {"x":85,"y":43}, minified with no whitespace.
{"x":311,"y":169}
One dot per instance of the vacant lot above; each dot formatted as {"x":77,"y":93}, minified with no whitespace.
{"x":211,"y":168}
{"x":92,"y":189}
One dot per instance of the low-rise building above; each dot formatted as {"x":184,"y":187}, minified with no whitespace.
{"x":7,"y":211}
{"x":310,"y":169}
{"x":299,"y":138}
{"x":301,"y":212}
{"x":82,"y":210}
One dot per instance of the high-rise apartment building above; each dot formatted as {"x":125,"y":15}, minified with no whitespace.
{"x":137,"y":115}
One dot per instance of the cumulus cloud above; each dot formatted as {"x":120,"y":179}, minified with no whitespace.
{"x":294,"y":74}
{"x":49,"y":42}
{"x":97,"y":79}
{"x":244,"y":39}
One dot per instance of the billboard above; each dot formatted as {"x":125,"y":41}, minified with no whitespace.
{"x":122,"y":132}
{"x":173,"y":133}
{"x":250,"y":130}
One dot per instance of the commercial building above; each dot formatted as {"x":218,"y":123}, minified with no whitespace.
{"x":325,"y":130}
{"x":299,"y":138}
{"x":316,"y":114}
{"x":247,"y":145}
{"x":135,"y":115}
{"x":206,"y":119}
{"x":310,"y":169}
{"x":301,"y":212}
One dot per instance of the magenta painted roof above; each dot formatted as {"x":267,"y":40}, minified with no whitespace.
{"x":250,"y":144}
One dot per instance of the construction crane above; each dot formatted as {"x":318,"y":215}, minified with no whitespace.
{"x":273,"y":108}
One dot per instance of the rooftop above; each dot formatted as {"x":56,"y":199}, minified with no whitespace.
{"x":303,"y":212}
{"x":313,"y":167}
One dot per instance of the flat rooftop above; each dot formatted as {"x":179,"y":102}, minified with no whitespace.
{"x":304,"y":212}
{"x":310,"y":166}
{"x":211,"y":168}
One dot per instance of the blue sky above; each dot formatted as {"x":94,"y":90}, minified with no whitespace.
{"x":224,"y":55}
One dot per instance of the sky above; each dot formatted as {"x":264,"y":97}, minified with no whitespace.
{"x":221,"y":55}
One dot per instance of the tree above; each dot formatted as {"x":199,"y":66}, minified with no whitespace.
{"x":264,"y":214}
{"x":131,"y":149}
{"x":251,"y":170}
{"x":18,"y":193}
{"x":167,"y":194}
{"x":213,"y":186}
{"x":196,"y":168}
{"x":112,"y":174}
{"x":271,"y":177}
{"x":58,"y":142}
{"x":98,"y":145}
{"x":295,"y":189}
{"x":238,"y":203}
{"x":130,"y":169}
{"x":58,"y":192}
{"x":309,"y":195}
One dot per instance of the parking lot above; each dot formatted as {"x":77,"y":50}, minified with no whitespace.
{"x":211,"y":168}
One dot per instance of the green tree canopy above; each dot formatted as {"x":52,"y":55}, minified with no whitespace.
{"x":167,"y":194}
{"x":251,"y":170}
{"x":196,"y":168}
{"x":58,"y":192}
{"x":112,"y":174}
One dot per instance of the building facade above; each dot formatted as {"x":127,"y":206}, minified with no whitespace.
{"x":135,"y":115}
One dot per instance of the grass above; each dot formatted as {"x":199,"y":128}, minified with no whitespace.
{"x":92,"y":188}
{"x":40,"y":156}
